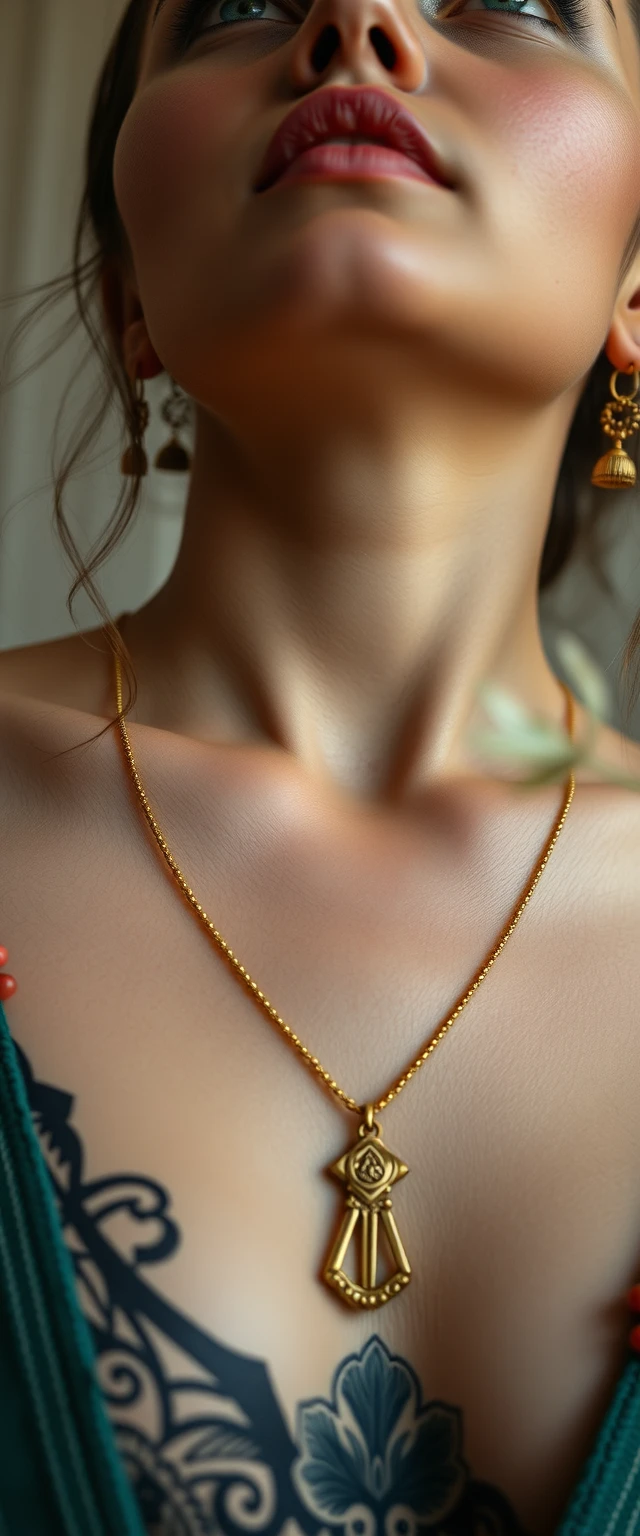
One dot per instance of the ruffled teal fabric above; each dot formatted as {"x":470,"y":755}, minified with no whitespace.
{"x":606,"y":1501}
{"x":60,"y":1473}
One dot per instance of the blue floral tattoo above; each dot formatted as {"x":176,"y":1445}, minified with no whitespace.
{"x":371,"y":1458}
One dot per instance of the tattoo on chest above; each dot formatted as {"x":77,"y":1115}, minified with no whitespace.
{"x":367,"y":1456}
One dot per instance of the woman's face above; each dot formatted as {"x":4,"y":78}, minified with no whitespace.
{"x":516,"y":269}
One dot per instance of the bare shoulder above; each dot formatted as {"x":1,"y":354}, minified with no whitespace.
{"x":618,"y":752}
{"x":52,"y":696}
{"x":613,"y":774}
{"x":69,"y":672}
{"x":604,"y":834}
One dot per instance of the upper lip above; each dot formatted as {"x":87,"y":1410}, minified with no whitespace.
{"x":338,"y":112}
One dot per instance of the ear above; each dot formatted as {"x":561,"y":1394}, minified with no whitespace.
{"x":622,"y":346}
{"x":124,"y":318}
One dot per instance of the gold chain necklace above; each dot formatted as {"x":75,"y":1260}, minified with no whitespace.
{"x":367,"y":1169}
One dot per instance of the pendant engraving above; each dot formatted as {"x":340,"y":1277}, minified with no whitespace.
{"x":369,"y":1170}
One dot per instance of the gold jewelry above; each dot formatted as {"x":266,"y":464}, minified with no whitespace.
{"x":173,"y":455}
{"x":620,"y":418}
{"x":134,"y":459}
{"x":175,"y":411}
{"x":368,"y":1169}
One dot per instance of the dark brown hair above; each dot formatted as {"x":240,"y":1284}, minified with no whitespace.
{"x":577,"y":506}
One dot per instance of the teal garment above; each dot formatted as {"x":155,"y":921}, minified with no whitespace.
{"x":60,"y":1472}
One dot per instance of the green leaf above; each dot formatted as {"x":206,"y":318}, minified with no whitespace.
{"x":534,"y":747}
{"x":506,"y":711}
{"x":519,"y":734}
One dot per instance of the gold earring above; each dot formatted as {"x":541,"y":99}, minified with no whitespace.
{"x":619,"y":419}
{"x":134,"y":459}
{"x":175,"y":411}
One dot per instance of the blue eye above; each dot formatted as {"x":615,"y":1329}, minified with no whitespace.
{"x":572,"y":12}
{"x":185,"y":26}
{"x":500,"y":5}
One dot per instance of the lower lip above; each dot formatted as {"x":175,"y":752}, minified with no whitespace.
{"x":338,"y":162}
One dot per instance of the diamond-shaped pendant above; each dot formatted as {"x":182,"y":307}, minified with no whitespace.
{"x":368,"y":1169}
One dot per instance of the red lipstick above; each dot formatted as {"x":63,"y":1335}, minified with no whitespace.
{"x":396,"y":140}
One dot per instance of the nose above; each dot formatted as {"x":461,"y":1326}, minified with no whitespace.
{"x":358,"y":42}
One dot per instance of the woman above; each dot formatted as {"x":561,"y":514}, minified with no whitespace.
{"x":388,"y":355}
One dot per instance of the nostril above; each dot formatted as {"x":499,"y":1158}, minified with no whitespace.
{"x":384,"y":47}
{"x":325,"y":48}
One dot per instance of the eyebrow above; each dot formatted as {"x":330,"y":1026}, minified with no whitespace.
{"x":162,"y":3}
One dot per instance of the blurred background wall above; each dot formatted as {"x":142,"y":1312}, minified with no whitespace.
{"x":50,"y":55}
{"x":51,"y":52}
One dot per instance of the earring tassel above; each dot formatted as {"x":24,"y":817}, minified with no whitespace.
{"x":175,"y":411}
{"x":173,"y":457}
{"x":134,"y":461}
{"x":615,"y":471}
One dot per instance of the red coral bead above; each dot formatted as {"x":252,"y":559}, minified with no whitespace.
{"x":8,"y":987}
{"x":4,"y":955}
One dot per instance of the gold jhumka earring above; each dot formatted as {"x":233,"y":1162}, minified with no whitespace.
{"x":134,"y":459}
{"x":615,"y":471}
{"x":175,"y":411}
{"x":173,"y":456}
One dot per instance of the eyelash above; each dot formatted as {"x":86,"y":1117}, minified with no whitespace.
{"x":183,"y":27}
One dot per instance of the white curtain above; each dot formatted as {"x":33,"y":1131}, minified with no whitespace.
{"x":51,"y":52}
{"x":50,"y":56}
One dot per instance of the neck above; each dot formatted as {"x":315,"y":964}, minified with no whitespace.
{"x":343,"y":597}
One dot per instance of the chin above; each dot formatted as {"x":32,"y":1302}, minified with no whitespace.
{"x":345,"y":264}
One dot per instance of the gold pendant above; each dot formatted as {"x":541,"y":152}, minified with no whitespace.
{"x":368,"y":1169}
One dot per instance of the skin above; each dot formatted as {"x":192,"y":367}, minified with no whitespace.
{"x":385,"y":375}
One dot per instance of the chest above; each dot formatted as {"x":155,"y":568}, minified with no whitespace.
{"x":189,"y":1144}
